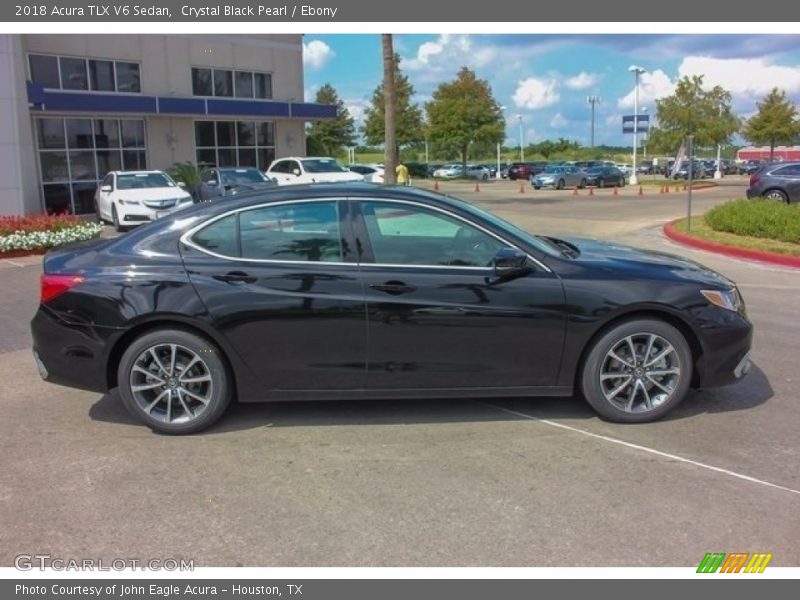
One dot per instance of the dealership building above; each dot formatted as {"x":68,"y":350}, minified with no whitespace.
{"x":73,"y":107}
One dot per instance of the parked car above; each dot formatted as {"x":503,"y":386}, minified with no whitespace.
{"x":373,"y":173}
{"x":605,"y":176}
{"x":220,"y":182}
{"x":295,"y":170}
{"x":130,"y":198}
{"x":698,"y":171}
{"x":749,"y":167}
{"x":457,"y":170}
{"x":559,"y":177}
{"x":645,"y":167}
{"x":261,"y":298}
{"x":524,"y":170}
{"x":777,"y":181}
{"x":625,"y":168}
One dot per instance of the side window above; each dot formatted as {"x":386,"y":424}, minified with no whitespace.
{"x":790,"y":171}
{"x":403,"y":234}
{"x":107,"y":180}
{"x":282,"y":166}
{"x":219,"y":237}
{"x":293,"y":166}
{"x":296,"y":232}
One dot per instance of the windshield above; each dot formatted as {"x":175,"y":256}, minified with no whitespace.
{"x":324,"y":165}
{"x":134,"y":181}
{"x":553,"y":169}
{"x":235,"y":177}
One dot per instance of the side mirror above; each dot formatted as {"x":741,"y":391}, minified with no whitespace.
{"x":106,"y":188}
{"x":182,"y":184}
{"x":296,"y":172}
{"x":510,"y":262}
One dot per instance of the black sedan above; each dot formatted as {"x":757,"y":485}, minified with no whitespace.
{"x":229,"y":181}
{"x":605,"y":176}
{"x":347,"y":291}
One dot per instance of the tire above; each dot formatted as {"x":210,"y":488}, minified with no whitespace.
{"x":612,"y":397}
{"x":537,"y":187}
{"x":582,"y":184}
{"x":115,"y":220}
{"x":776,"y":194}
{"x":189,"y":406}
{"x":560,"y":184}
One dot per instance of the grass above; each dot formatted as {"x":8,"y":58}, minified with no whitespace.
{"x":701,"y":229}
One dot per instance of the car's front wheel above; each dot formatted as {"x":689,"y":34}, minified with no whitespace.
{"x":637,"y":371}
{"x":174,"y":381}
{"x":115,"y":219}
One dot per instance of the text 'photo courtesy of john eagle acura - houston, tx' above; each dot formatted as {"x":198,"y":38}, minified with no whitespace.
{"x":350,"y":290}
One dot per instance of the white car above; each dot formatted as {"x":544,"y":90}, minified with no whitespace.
{"x":129,"y":198}
{"x":294,"y":170}
{"x":457,"y":170}
{"x":373,"y":172}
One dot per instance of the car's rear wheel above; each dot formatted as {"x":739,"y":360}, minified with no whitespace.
{"x":583,"y":184}
{"x":560,"y":184}
{"x":174,"y":381}
{"x":637,"y":371}
{"x":601,"y":183}
{"x":776,"y":195}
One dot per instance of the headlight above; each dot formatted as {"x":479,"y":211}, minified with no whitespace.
{"x":728,"y":299}
{"x":131,"y":202}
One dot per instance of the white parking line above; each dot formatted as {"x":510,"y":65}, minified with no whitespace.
{"x":675,"y":457}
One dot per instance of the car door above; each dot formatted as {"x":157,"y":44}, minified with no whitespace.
{"x":438,"y":317}
{"x":102,"y":196}
{"x":789,"y":180}
{"x":281,"y":171}
{"x":281,"y":282}
{"x":210,"y":185}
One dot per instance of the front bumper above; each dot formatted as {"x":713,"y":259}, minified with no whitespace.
{"x":726,"y":351}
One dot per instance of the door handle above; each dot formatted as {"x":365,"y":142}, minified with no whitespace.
{"x":235,"y":277}
{"x":393,"y":288}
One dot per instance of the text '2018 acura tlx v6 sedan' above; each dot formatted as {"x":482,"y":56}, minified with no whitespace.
{"x":340,"y":291}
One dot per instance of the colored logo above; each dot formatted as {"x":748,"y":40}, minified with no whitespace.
{"x":737,"y":562}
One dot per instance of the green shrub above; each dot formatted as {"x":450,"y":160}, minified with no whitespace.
{"x":757,"y":218}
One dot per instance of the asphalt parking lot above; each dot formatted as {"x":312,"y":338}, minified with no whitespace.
{"x":527,"y":482}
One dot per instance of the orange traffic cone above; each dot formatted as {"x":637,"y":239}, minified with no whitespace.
{"x":661,"y":190}
{"x":666,"y":189}
{"x":477,"y":187}
{"x":641,"y":192}
{"x":616,"y":190}
{"x":436,"y":185}
{"x":685,"y":187}
{"x":575,"y":191}
{"x":591,"y":190}
{"x":521,"y":188}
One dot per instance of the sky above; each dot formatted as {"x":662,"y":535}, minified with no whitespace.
{"x":546,"y":79}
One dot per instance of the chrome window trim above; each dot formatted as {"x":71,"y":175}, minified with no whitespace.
{"x":186,"y":238}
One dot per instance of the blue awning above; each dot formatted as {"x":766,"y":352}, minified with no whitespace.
{"x":46,"y":100}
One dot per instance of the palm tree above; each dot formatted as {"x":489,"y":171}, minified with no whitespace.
{"x":390,"y":103}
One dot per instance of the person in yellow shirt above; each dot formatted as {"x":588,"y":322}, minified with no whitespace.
{"x":402,"y":175}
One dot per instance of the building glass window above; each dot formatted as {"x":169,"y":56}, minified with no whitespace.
{"x":76,"y":73}
{"x":235,"y":143}
{"x":101,"y":75}
{"x":44,"y":70}
{"x":75,"y":154}
{"x":228,"y":84}
{"x":73,"y":73}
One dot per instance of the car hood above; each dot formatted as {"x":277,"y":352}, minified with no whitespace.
{"x":626,"y":259}
{"x":162,"y":193}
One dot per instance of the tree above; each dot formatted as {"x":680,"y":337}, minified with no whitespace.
{"x":190,"y":174}
{"x":464,"y":112}
{"x":408,"y":116}
{"x":692,"y":110}
{"x":333,"y":134}
{"x":776,"y":122}
{"x":390,"y":105}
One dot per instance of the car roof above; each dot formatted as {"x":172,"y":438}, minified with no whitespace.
{"x":139,"y":172}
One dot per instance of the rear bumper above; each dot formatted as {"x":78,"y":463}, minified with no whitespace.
{"x":70,"y":355}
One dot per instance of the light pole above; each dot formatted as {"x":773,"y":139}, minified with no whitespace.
{"x":497,"y":175}
{"x":592,"y":100}
{"x":521,"y":139}
{"x":637,"y":71}
{"x":718,"y":172}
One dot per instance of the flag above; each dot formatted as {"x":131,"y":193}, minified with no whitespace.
{"x":679,"y":158}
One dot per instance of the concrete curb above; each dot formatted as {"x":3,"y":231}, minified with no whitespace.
{"x":760,"y":255}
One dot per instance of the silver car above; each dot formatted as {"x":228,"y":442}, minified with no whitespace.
{"x":559,"y":177}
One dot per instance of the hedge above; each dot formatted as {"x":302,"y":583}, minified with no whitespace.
{"x":757,"y":218}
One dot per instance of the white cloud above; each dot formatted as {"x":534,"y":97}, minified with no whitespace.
{"x":316,"y":54}
{"x":356,"y":108}
{"x":558,"y":121}
{"x":582,"y":81}
{"x":745,"y":78}
{"x":444,"y":53}
{"x":652,"y":86}
{"x":533,"y":93}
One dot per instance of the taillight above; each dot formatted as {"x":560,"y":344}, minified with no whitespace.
{"x":754,"y":179}
{"x":52,"y":286}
